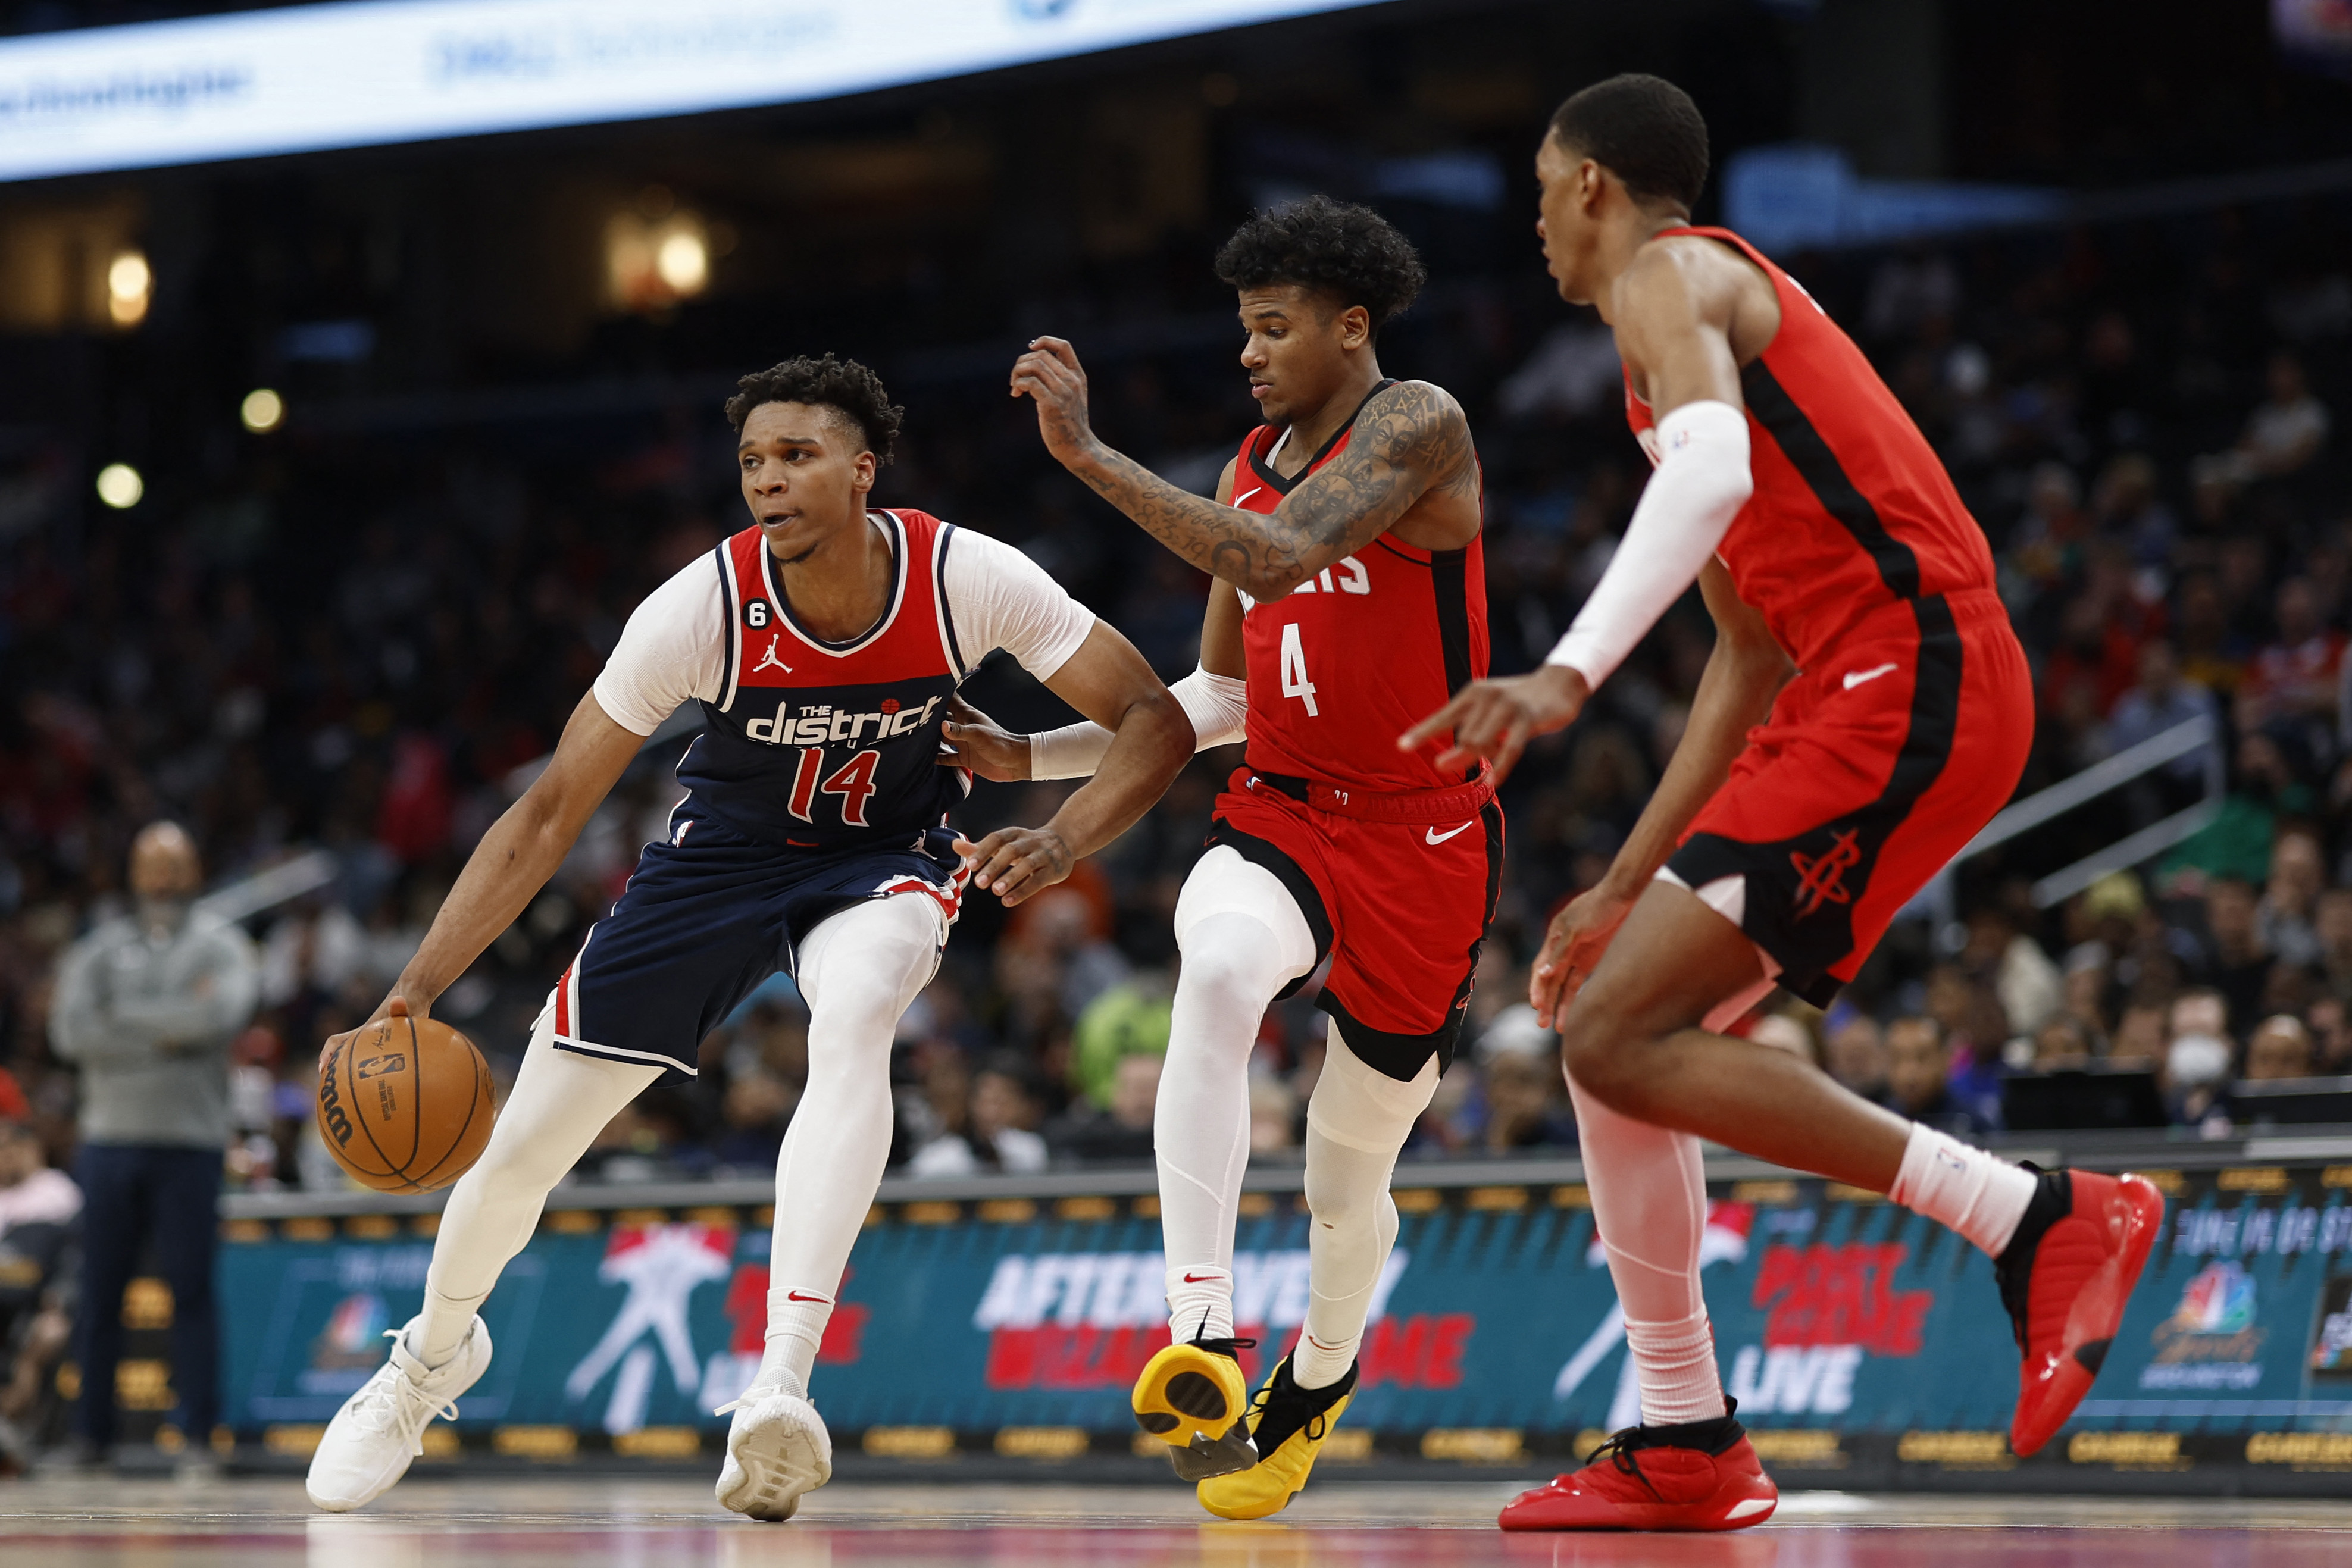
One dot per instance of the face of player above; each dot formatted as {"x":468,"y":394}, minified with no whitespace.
{"x":1565,"y":221}
{"x":805,"y":474}
{"x":1299,"y":348}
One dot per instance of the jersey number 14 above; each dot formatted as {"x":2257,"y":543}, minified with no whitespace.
{"x":852,"y":781}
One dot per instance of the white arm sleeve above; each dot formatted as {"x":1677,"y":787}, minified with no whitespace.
{"x":1701,"y":483}
{"x":672,"y":651}
{"x":999,"y":597}
{"x":1218,"y":707}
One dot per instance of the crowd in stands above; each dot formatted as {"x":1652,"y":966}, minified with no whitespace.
{"x":364,"y":641}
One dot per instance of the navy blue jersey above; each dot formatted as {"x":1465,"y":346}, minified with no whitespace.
{"x":813,"y":743}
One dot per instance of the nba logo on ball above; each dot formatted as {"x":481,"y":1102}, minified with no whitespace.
{"x":423,"y":1137}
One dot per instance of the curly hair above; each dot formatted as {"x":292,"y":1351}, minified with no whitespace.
{"x":845,"y":386}
{"x":1339,"y":248}
{"x":1643,"y":129}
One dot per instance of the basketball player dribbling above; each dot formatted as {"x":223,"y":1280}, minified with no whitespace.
{"x":1351,"y":597}
{"x":824,"y":643}
{"x":1865,"y":711}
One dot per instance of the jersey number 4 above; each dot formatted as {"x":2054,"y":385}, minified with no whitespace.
{"x":1295,"y":682}
{"x":852,"y":781}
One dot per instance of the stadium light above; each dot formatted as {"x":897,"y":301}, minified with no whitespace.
{"x":120,"y":486}
{"x":129,"y":282}
{"x":684,"y":262}
{"x":262,"y":410}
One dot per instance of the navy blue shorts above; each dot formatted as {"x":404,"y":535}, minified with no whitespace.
{"x":710,"y":914}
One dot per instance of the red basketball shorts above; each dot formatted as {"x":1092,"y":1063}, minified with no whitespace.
{"x":1400,"y":907}
{"x":1876,"y":768}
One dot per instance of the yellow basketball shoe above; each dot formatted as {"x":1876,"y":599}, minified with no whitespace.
{"x":1193,"y":1397}
{"x":1287,"y":1426}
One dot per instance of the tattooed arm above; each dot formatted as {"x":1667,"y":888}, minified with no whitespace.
{"x":1409,"y":440}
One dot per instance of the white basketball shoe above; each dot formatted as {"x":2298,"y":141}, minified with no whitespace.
{"x":381,"y":1428}
{"x":777,"y":1450}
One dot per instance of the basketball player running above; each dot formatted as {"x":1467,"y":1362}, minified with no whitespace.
{"x":1345,"y":534}
{"x":823,"y":644}
{"x":1856,"y":623}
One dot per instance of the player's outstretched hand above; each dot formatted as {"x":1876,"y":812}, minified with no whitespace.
{"x":1050,"y":374}
{"x":1016,"y":863}
{"x":395,"y":1005}
{"x":972,"y":739}
{"x":1498,"y":718}
{"x":1572,"y":946}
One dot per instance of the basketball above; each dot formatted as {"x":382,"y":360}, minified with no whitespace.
{"x":404,"y":1105}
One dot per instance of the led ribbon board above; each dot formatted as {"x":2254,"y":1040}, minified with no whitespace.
{"x":368,"y":72}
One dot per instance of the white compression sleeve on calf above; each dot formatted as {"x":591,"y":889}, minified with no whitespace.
{"x":1218,"y":707}
{"x":1357,"y":1120}
{"x":1701,"y":483}
{"x":1242,"y":938}
{"x":560,"y":1102}
{"x":858,"y":969}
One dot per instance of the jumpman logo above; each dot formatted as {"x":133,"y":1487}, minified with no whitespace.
{"x":769,"y":660}
{"x":1823,"y":879}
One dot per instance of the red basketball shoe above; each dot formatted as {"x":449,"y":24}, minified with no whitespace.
{"x":2065,"y":1276}
{"x":1699,"y":1475}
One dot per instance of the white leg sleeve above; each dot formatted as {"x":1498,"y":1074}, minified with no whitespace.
{"x":1356,"y":1122}
{"x":560,"y":1102}
{"x":1242,"y":938}
{"x":1649,"y":1200}
{"x":858,"y":970}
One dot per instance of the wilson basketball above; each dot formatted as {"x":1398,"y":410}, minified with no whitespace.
{"x":404,"y":1105}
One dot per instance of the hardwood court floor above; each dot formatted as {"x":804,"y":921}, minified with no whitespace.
{"x":618,"y":1522}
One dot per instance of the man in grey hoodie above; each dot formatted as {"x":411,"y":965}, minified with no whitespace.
{"x":146,"y":1005}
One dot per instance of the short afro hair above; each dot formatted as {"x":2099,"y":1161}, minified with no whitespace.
{"x":1643,"y":129}
{"x":1349,"y":252}
{"x":845,"y":386}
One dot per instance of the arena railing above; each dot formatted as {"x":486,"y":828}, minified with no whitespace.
{"x":1936,"y":901}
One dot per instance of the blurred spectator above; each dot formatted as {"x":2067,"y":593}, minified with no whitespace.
{"x":38,"y":1205}
{"x":2087,"y":976}
{"x":1128,"y":1019}
{"x":2281,"y":1048}
{"x":2294,"y":677}
{"x":2237,"y":965}
{"x":2060,"y":1044}
{"x":996,"y":1134}
{"x":1857,"y":1054}
{"x":1919,"y":1073}
{"x":2021,"y":974}
{"x":2332,"y":926}
{"x":2331,"y":1036}
{"x":2196,"y":1080}
{"x":1273,"y":1115}
{"x":754,"y":1115}
{"x":1121,"y":1131}
{"x":147,"y":1005}
{"x":2284,"y":433}
{"x":2140,"y":1036}
{"x":2286,"y":916}
{"x":2161,"y":699}
{"x":1520,"y":1079}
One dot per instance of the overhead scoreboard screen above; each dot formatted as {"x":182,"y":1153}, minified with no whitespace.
{"x":362,"y":73}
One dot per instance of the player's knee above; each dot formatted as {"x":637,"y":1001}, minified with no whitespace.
{"x":1599,"y":1056}
{"x":1228,"y":956}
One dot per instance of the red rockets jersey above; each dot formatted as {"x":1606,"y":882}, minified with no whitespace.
{"x":815,"y":743}
{"x":1853,"y":512}
{"x":1361,"y":652}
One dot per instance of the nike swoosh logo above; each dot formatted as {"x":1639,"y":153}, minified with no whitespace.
{"x":1197,"y":1278}
{"x":1858,"y":677}
{"x":796,"y":1296}
{"x":1245,"y":494}
{"x":1435,"y":837}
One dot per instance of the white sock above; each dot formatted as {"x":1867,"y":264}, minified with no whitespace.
{"x":560,"y":1102}
{"x":1356,"y":1122}
{"x":1976,"y":1195}
{"x":1675,"y":1364}
{"x":1242,"y":938}
{"x":1649,"y":1202}
{"x":795,"y":1329}
{"x":858,"y":969}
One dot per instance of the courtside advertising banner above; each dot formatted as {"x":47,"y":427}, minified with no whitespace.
{"x":1842,"y":1322}
{"x":365,"y":72}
